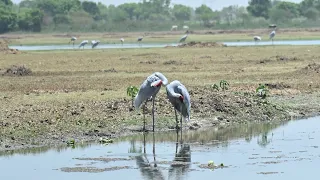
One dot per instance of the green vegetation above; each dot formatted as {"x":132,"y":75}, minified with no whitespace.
{"x":153,"y":15}
{"x":132,"y":92}
{"x":262,"y":91}
{"x":224,"y":85}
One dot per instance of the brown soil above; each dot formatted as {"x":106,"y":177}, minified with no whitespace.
{"x":194,"y":44}
{"x":5,"y":49}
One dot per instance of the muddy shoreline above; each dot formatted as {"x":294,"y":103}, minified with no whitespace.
{"x":55,"y":124}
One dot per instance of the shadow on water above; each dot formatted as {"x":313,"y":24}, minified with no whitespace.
{"x":252,"y":151}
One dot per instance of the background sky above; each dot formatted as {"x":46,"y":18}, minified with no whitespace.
{"x":213,"y":4}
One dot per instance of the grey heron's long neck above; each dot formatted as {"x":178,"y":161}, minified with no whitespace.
{"x":162,"y":77}
{"x":172,"y":93}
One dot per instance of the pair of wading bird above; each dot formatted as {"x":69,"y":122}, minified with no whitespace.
{"x":177,"y":94}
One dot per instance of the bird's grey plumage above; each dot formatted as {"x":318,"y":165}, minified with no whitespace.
{"x":174,"y":91}
{"x":73,"y":38}
{"x":140,"y":38}
{"x":272,"y":34}
{"x":149,"y":88}
{"x":83,"y":43}
{"x":183,"y":38}
{"x":94,"y":43}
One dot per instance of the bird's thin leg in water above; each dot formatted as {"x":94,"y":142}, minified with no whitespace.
{"x":177,"y":122}
{"x":144,"y":143}
{"x":181,"y":129}
{"x":177,"y":142}
{"x":153,"y":114}
{"x":144,"y":116}
{"x":154,"y":151}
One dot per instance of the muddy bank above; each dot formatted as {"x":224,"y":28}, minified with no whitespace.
{"x":194,"y":44}
{"x":50,"y":123}
{"x":5,"y":49}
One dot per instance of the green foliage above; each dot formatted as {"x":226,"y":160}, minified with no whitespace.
{"x":90,"y":7}
{"x":132,"y":10}
{"x":224,"y":85}
{"x":31,"y":20}
{"x":181,"y":12}
{"x":8,"y":19}
{"x":6,"y":2}
{"x":262,"y":91}
{"x":211,"y":164}
{"x":215,"y":87}
{"x":204,"y":13}
{"x":259,"y":8}
{"x":132,"y":92}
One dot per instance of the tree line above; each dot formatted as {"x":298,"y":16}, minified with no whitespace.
{"x":151,"y":15}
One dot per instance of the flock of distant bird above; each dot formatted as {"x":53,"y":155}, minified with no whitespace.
{"x":271,"y":35}
{"x":95,"y":43}
{"x":177,"y":95}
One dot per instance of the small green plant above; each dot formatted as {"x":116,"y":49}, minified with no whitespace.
{"x":262,"y":91}
{"x":105,"y":141}
{"x":211,"y":164}
{"x":224,"y":85}
{"x":215,"y":87}
{"x":71,"y":143}
{"x":132,"y":92}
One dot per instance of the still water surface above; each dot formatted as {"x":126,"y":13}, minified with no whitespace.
{"x":257,"y":151}
{"x":148,"y":45}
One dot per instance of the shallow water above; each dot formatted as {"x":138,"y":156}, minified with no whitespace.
{"x":278,"y":151}
{"x":113,"y":46}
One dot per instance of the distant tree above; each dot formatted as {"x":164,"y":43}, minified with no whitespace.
{"x":6,"y":2}
{"x":182,"y":12}
{"x":90,"y":7}
{"x":204,"y":13}
{"x":310,"y":8}
{"x":116,"y":14}
{"x":31,"y":20}
{"x":130,"y":9}
{"x":8,"y":19}
{"x":259,"y":8}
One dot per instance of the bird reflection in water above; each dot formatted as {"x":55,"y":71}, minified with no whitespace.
{"x":151,"y":171}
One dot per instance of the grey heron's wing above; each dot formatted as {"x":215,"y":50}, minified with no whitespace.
{"x":186,"y":99}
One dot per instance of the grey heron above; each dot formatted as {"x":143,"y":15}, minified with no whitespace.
{"x":179,"y":97}
{"x":122,"y":40}
{"x":272,"y":34}
{"x":73,"y":39}
{"x":149,"y":89}
{"x":140,"y":39}
{"x":257,"y":38}
{"x":83,"y":43}
{"x":183,"y":38}
{"x":95,"y":43}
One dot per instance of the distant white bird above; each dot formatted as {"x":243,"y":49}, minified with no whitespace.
{"x":83,"y":43}
{"x":122,"y":40}
{"x":149,"y":89}
{"x":73,"y":39}
{"x":95,"y":43}
{"x":179,"y":97}
{"x":272,"y":34}
{"x":257,"y":38}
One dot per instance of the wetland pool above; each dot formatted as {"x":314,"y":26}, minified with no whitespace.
{"x":286,"y":150}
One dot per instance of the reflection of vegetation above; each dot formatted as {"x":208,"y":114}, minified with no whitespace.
{"x":247,"y":131}
{"x":44,"y":149}
{"x":263,"y":140}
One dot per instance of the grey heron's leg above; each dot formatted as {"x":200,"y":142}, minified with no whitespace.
{"x":154,"y":151}
{"x":144,"y":143}
{"x":181,"y":127}
{"x":177,"y":142}
{"x":177,"y":122}
{"x":144,"y":115}
{"x":153,"y":98}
